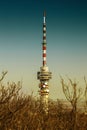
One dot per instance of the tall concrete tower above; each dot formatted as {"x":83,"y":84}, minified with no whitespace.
{"x":44,"y":74}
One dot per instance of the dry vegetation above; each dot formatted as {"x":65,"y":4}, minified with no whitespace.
{"x":20,"y":112}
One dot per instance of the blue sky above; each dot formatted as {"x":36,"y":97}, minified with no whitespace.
{"x":21,"y":38}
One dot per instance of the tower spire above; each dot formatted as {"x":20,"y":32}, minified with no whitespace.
{"x":44,"y":74}
{"x":44,"y":39}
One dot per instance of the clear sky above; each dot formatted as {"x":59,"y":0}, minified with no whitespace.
{"x":21,"y":38}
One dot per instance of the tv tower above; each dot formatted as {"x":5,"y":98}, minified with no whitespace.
{"x":44,"y":74}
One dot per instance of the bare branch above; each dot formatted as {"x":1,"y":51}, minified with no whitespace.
{"x":3,"y":75}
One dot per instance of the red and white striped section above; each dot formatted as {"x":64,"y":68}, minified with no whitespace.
{"x":44,"y":40}
{"x":44,"y":54}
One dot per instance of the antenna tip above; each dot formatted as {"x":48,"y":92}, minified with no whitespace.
{"x":44,"y":13}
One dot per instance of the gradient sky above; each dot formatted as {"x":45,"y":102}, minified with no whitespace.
{"x":21,"y":38}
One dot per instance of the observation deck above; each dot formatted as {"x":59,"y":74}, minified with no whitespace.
{"x":44,"y":74}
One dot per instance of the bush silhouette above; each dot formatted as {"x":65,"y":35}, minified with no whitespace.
{"x":21,"y":112}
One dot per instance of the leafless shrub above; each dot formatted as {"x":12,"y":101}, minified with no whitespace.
{"x":72,"y":94}
{"x":21,"y":112}
{"x":85,"y":94}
